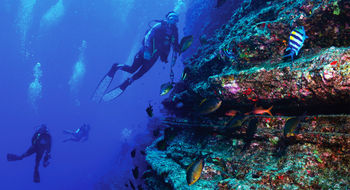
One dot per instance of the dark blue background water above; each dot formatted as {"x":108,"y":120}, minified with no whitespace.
{"x":113,"y":30}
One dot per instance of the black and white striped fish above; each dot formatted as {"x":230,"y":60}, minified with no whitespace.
{"x":296,"y":41}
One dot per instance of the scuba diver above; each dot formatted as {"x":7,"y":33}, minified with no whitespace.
{"x":156,"y":44}
{"x":41,"y":143}
{"x":81,"y":134}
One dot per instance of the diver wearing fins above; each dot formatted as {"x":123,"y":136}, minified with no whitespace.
{"x":156,"y":44}
{"x":81,"y":134}
{"x":41,"y":143}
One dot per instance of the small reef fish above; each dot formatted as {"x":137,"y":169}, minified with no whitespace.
{"x":149,"y":110}
{"x":185,"y":43}
{"x":209,"y":106}
{"x":261,"y":111}
{"x":292,"y":126}
{"x":194,"y":170}
{"x":135,"y":172}
{"x":228,"y":54}
{"x":131,"y":185}
{"x":183,"y":76}
{"x":143,"y":152}
{"x":147,"y":174}
{"x":296,"y":41}
{"x":236,"y":121}
{"x":202,"y":101}
{"x":133,"y":153}
{"x":220,"y":3}
{"x":231,"y":113}
{"x":165,"y":88}
{"x":251,"y":130}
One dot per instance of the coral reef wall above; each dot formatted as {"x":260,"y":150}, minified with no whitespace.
{"x":242,"y":69}
{"x":204,"y":18}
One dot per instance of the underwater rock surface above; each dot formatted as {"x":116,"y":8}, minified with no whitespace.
{"x":316,"y":158}
{"x":242,"y":65}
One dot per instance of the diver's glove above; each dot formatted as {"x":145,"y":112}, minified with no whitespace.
{"x":46,"y":162}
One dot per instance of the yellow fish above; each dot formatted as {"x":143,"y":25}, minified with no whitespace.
{"x":292,"y":125}
{"x":194,"y":170}
{"x":185,"y":43}
{"x":209,"y":106}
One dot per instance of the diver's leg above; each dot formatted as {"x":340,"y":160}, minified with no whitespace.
{"x":145,"y":68}
{"x":29,"y":152}
{"x":135,"y":65}
{"x":15,"y":157}
{"x":68,"y":132}
{"x":39,"y":155}
{"x":114,"y":93}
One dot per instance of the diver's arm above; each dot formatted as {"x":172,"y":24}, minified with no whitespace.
{"x":49,"y":139}
{"x":47,"y":156}
{"x":68,"y":132}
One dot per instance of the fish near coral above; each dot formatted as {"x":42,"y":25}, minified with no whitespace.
{"x":149,"y":110}
{"x":165,"y":88}
{"x":292,"y":126}
{"x":261,"y":111}
{"x":133,"y":153}
{"x":209,"y":106}
{"x":235,"y":123}
{"x":251,"y":130}
{"x":296,"y":41}
{"x":185,"y":43}
{"x":131,"y":185}
{"x":135,"y":172}
{"x":194,"y":170}
{"x":231,"y":113}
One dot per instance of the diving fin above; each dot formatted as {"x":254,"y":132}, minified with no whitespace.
{"x":104,"y":84}
{"x":13,"y":157}
{"x":113,"y":94}
{"x":36,"y":177}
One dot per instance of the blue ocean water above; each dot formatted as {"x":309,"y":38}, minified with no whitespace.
{"x":53,"y":53}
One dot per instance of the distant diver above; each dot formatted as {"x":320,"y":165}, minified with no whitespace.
{"x":156,"y":44}
{"x":41,"y":143}
{"x":79,"y":135}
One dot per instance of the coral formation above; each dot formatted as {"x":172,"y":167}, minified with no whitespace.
{"x":243,"y":66}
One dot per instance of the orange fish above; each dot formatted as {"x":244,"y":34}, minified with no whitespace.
{"x":334,"y":62}
{"x":231,"y":113}
{"x":261,"y":110}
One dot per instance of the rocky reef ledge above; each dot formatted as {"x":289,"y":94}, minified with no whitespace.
{"x":242,"y":68}
{"x":317,"y":158}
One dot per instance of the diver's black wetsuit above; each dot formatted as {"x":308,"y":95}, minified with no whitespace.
{"x":41,"y":143}
{"x":157,"y":42}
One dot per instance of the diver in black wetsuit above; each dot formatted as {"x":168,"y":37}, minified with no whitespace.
{"x":156,"y":44}
{"x":41,"y":144}
{"x":81,"y":134}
